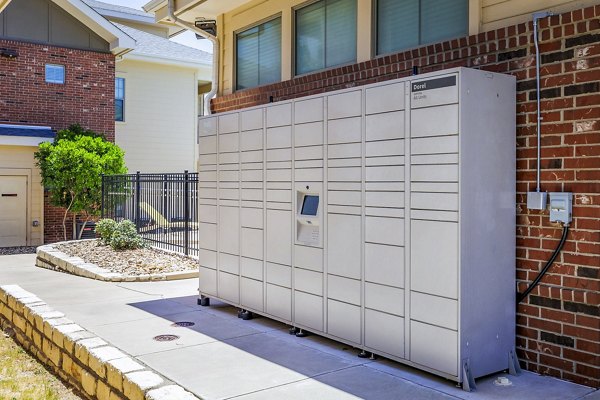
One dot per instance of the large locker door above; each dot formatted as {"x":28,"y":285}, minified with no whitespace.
{"x":13,"y":211}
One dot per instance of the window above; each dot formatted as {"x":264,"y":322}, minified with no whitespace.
{"x":325,"y":35}
{"x":258,"y":55}
{"x":119,"y":99}
{"x":410,"y":23}
{"x":55,"y":73}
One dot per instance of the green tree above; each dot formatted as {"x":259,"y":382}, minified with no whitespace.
{"x":72,"y":168}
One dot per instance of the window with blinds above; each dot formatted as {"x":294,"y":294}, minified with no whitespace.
{"x":119,"y":99}
{"x":55,"y":73}
{"x":325,"y":35}
{"x":258,"y":55}
{"x":403,"y":24}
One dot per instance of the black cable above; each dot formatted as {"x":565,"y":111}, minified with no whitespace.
{"x":521,"y":296}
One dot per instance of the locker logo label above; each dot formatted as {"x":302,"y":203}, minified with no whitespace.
{"x":434,"y":84}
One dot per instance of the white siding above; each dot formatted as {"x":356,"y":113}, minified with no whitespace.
{"x":159,"y":131}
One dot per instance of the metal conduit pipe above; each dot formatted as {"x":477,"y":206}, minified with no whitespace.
{"x":215,"y":58}
{"x":536,"y":17}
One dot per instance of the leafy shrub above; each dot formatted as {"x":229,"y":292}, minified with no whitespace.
{"x":105,"y":228}
{"x":119,"y":235}
{"x":125,"y":237}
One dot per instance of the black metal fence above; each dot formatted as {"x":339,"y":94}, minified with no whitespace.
{"x":164,"y":207}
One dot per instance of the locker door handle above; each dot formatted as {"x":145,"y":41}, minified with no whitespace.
{"x":9,"y":195}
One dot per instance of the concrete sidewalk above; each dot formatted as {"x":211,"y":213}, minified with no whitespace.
{"x":223,"y":357}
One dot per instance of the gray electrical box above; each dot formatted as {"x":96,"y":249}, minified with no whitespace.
{"x":381,"y":216}
{"x":561,"y":204}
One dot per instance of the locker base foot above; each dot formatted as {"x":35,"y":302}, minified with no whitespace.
{"x":367,"y":354}
{"x":204,"y":301}
{"x":293,"y":330}
{"x":513,"y":363}
{"x":247,"y":315}
{"x":240,"y":312}
{"x":301,"y":333}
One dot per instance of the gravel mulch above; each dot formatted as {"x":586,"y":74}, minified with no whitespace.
{"x":6,"y":251}
{"x":128,"y":262}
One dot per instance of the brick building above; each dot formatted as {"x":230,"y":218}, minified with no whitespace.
{"x":57,"y":68}
{"x":558,"y":325}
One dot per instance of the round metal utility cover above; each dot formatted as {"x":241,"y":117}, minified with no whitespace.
{"x":165,"y":338}
{"x":183,"y":324}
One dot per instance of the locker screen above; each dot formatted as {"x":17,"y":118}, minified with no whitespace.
{"x":310,"y":205}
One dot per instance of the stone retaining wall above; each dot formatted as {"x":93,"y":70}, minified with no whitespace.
{"x":96,"y":369}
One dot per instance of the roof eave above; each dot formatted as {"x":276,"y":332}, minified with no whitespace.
{"x":168,"y":61}
{"x":119,"y":41}
{"x":3,"y":4}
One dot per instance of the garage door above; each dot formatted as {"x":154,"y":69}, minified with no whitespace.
{"x":13,"y":211}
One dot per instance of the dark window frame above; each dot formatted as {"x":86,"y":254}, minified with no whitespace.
{"x":120,"y":99}
{"x":55,"y":67}
{"x":235,"y":49}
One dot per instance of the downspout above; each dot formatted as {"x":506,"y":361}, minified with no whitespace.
{"x":215,"y":42}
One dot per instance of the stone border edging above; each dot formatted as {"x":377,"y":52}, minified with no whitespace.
{"x":51,"y":258}
{"x":98,"y":370}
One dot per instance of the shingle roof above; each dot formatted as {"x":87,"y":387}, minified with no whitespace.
{"x":26,"y":131}
{"x":99,"y":6}
{"x":151,"y":45}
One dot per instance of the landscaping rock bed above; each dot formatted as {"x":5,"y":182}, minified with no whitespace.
{"x":91,"y":259}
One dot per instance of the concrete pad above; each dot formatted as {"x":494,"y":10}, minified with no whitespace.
{"x":222,"y":356}
{"x":107,"y":311}
{"x":595,"y":395}
{"x":230,"y":371}
{"x":357,"y":382}
{"x":528,"y":385}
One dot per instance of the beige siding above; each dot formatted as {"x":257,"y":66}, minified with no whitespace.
{"x":259,"y":10}
{"x":484,"y":15}
{"x":159,"y":131}
{"x":18,"y":160}
{"x":499,"y":13}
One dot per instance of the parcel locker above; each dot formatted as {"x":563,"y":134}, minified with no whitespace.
{"x":381,"y":216}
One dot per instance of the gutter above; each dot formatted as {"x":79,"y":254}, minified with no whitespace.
{"x":215,"y":61}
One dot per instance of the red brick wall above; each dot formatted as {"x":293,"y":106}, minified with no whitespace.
{"x":86,"y":98}
{"x":558,"y":326}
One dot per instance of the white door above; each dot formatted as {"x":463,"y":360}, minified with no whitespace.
{"x":13,"y":211}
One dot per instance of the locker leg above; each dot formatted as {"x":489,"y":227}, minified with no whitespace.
{"x":240,"y":312}
{"x":468,"y":383}
{"x":513,"y":363}
{"x":293,"y":330}
{"x":247,"y":315}
{"x":204,"y":301}
{"x":301,"y":333}
{"x":367,"y":354}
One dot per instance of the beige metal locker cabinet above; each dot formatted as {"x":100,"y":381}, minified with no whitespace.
{"x":381,"y":216}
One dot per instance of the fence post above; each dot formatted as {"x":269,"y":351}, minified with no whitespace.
{"x":186,"y":212}
{"x":102,"y":198}
{"x":137,"y":201}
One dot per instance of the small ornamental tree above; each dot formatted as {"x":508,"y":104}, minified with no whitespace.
{"x":72,"y":168}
